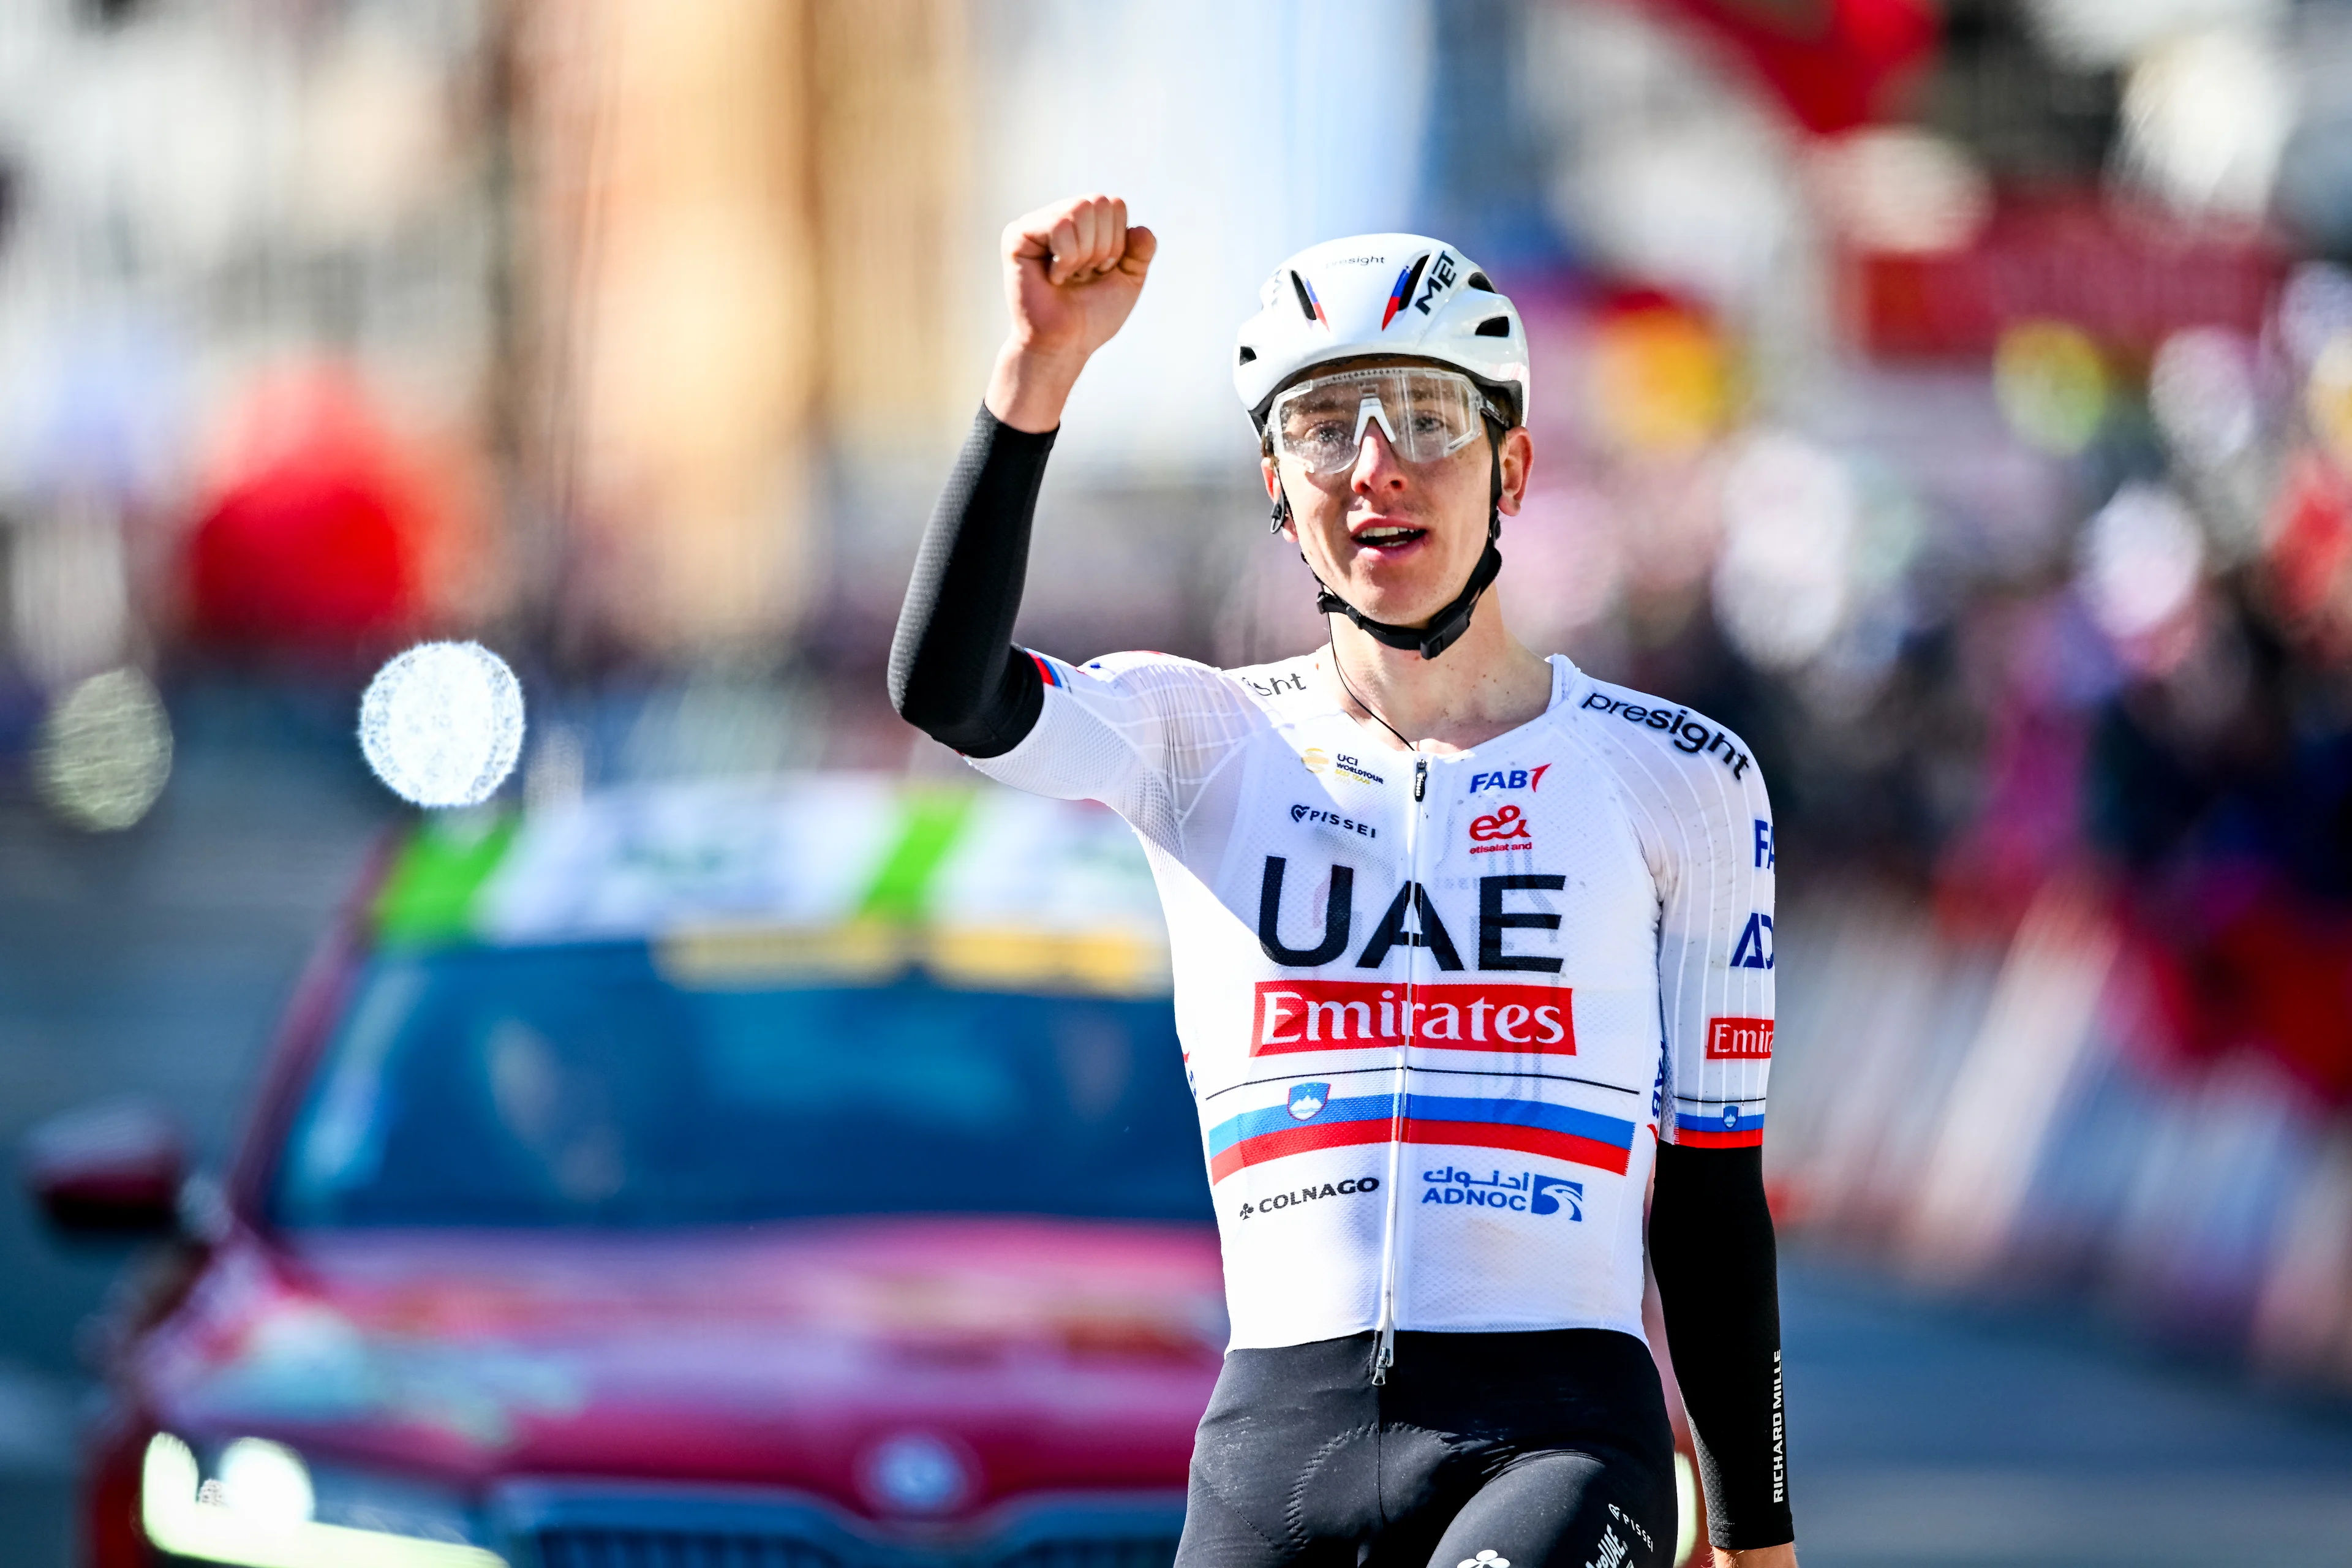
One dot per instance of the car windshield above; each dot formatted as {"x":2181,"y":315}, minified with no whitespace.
{"x":579,"y":1086}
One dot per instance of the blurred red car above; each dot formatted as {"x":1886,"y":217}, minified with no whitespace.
{"x":791,"y":1175}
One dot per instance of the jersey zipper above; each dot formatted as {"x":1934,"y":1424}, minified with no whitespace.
{"x":1391,"y":1243}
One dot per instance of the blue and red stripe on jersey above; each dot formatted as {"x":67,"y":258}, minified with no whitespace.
{"x":1046,"y":672}
{"x":1524,"y":1126}
{"x":1729,"y":1128}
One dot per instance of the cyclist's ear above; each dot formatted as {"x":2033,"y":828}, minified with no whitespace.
{"x":1516,"y":452}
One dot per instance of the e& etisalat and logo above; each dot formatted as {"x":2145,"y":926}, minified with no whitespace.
{"x":1526,"y":1193}
{"x":1328,"y":764}
{"x":1504,"y":828}
{"x":1688,"y":732}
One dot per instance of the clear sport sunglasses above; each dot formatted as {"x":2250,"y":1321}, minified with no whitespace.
{"x":1425,"y":414}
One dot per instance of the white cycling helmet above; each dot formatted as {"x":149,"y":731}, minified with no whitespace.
{"x":1380,"y":294}
{"x":1389,"y":294}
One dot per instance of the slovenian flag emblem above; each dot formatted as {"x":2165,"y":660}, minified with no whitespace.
{"x":1402,"y":292}
{"x":1732,"y":1126}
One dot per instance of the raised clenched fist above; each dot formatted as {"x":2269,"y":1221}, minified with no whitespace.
{"x":1073,"y":271}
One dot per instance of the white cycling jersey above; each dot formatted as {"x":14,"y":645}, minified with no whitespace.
{"x":1434,"y":1008}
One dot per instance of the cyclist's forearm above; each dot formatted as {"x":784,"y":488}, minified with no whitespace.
{"x":953,"y":672}
{"x":1028,"y":387}
{"x":1711,"y":1245}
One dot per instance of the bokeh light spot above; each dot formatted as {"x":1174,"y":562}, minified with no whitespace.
{"x":442,"y":723}
{"x":2140,"y":560}
{"x":103,"y":752}
{"x":2200,"y":389}
{"x":2327,"y":397}
{"x":265,"y":1481}
{"x":1782,"y":582}
{"x":1662,"y":379}
{"x":2051,"y":384}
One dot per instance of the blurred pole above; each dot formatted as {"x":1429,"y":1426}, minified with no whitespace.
{"x":671,"y":149}
{"x":528,"y":487}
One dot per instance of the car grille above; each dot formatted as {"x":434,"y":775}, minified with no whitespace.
{"x":594,"y":1547}
{"x":1145,"y":1553}
{"x":550,"y":1524}
{"x":605,"y":1547}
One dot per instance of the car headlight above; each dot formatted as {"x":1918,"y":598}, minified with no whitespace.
{"x":263,"y":1508}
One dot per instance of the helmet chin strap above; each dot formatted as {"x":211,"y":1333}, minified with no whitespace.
{"x":1446,"y":627}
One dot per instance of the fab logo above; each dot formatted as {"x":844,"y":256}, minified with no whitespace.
{"x":1510,"y":778}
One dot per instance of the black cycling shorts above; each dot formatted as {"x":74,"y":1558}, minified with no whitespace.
{"x":1546,"y":1449}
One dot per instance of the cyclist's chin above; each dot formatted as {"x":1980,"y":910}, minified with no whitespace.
{"x":1403,"y":591}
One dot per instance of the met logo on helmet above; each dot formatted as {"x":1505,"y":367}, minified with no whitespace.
{"x":1441,"y":278}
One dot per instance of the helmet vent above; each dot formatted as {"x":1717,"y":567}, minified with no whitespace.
{"x":1306,"y":301}
{"x":1247,"y":354}
{"x":1478,"y":281}
{"x":1494,"y":327}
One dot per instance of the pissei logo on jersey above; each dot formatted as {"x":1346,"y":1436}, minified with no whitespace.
{"x":1316,"y":813}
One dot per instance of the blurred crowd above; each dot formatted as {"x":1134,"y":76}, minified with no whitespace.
{"x":1955,"y":397}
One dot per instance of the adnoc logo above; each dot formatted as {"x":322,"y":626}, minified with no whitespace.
{"x":1526,"y":1193}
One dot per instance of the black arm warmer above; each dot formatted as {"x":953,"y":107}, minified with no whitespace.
{"x":952,"y":670}
{"x":1711,"y":1247}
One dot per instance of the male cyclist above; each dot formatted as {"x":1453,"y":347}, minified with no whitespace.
{"x":1473,"y":952}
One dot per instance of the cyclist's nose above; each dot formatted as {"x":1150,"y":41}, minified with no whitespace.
{"x":1377,"y":467}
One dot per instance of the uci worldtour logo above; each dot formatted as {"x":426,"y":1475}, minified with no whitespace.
{"x":1526,"y":1192}
{"x":1324,"y":764}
